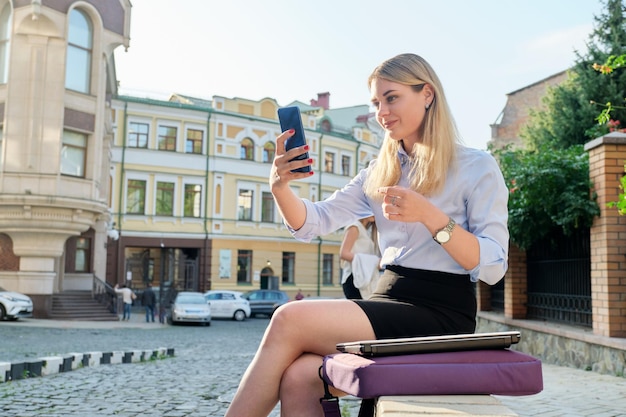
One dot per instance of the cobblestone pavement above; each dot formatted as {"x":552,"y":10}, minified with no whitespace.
{"x":202,"y":377}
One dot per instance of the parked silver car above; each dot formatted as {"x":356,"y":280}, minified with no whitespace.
{"x":190,"y":307}
{"x":14,"y":305}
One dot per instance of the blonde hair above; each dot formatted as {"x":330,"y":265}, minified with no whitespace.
{"x":430,"y":158}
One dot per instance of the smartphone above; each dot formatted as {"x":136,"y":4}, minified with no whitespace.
{"x":290,"y":118}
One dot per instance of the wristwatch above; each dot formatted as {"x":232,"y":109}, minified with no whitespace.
{"x":443,"y":236}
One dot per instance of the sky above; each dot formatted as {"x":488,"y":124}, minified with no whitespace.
{"x":292,"y":50}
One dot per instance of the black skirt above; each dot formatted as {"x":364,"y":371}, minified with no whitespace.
{"x":415,"y":302}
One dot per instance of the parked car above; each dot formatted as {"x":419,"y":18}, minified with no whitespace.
{"x":190,"y":307}
{"x":14,"y":305}
{"x":265,"y":301}
{"x":228,"y":304}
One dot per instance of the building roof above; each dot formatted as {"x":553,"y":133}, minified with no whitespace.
{"x":342,"y":120}
{"x":347,"y":116}
{"x":193,"y":101}
{"x":558,"y":74}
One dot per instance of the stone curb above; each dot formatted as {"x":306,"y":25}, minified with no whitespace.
{"x":49,"y":365}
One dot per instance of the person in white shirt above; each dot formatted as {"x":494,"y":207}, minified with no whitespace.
{"x":127,"y":298}
{"x":441,"y":212}
{"x":359,"y":259}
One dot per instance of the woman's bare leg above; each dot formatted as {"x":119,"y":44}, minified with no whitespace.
{"x":307,"y":326}
{"x":301,"y":388}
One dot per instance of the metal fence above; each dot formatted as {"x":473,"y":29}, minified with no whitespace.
{"x":559,"y":279}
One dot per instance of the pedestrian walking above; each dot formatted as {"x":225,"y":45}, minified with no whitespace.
{"x":148,"y":300}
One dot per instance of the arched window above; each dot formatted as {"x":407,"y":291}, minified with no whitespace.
{"x":247,"y":149}
{"x":79,"y":52}
{"x":5,"y":37}
{"x":269,"y":150}
{"x":326,"y":126}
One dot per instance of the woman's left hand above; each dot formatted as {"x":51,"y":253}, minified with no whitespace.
{"x":405,"y":205}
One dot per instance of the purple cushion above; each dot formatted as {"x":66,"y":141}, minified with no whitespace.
{"x":499,"y":372}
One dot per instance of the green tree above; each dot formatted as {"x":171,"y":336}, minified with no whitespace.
{"x":570,"y":113}
{"x":604,"y":119}
{"x":549,"y":188}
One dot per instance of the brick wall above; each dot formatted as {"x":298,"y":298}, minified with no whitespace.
{"x":517,"y":110}
{"x":607,"y":156}
{"x":515,"y":287}
{"x":483,"y":296}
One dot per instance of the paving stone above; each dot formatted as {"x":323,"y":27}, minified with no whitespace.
{"x":203,"y":375}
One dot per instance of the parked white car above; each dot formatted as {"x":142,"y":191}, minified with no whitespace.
{"x":228,"y":304}
{"x":14,"y":305}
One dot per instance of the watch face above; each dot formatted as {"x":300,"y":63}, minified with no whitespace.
{"x":442,"y":236}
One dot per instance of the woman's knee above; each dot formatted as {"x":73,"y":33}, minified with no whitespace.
{"x":281,"y":328}
{"x":302,"y":376}
{"x":287,"y":318}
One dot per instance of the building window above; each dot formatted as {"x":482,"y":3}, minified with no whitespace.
{"x":217,"y":200}
{"x":73,"y":154}
{"x":244,"y":266}
{"x":289,"y":267}
{"x":267,"y":207}
{"x":79,"y":52}
{"x":83,"y":254}
{"x":244,"y":205}
{"x":193,"y":200}
{"x":136,"y":197}
{"x":269,"y":150}
{"x":327,"y":269}
{"x":329,"y":162}
{"x":194,"y":141}
{"x":166,"y":138}
{"x":138,"y":135}
{"x":325,"y":126}
{"x":345,"y":165}
{"x":247,"y":149}
{"x":164,"y":199}
{"x":5,"y":38}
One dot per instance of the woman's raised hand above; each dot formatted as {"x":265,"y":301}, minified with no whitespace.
{"x":284,"y":163}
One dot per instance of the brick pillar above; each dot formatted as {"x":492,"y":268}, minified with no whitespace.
{"x":483,"y":296}
{"x":515,"y":285}
{"x":607,"y":156}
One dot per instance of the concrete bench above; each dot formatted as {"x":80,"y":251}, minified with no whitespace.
{"x":441,"y":406}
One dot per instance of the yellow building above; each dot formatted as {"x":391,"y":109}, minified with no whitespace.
{"x":191,"y":201}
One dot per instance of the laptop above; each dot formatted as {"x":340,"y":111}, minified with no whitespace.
{"x":430,"y":344}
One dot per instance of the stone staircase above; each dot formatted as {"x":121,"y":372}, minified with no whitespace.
{"x":79,"y":305}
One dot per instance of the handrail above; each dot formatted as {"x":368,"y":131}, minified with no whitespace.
{"x":105,"y":294}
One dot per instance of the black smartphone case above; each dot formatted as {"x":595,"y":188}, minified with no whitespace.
{"x":290,"y":118}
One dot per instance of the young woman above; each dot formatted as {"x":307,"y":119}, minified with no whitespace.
{"x":441,"y":213}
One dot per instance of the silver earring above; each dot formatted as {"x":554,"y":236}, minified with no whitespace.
{"x":427,"y":106}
